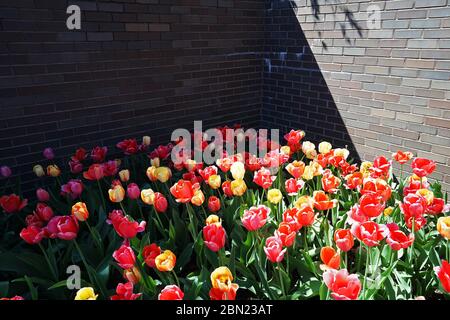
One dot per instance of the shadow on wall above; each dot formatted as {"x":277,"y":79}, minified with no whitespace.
{"x":295,"y":93}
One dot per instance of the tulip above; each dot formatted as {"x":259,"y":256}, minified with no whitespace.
{"x":291,"y":216}
{"x":125,"y":226}
{"x":5,"y":171}
{"x":132,"y":275}
{"x":165,"y":261}
{"x":306,"y":216}
{"x":42,"y":195}
{"x":443,"y":273}
{"x":304,"y":201}
{"x":146,"y":141}
{"x":296,"y":168}
{"x":171,"y":292}
{"x":263,"y":178}
{"x":354,"y":180}
{"x":125,"y":257}
{"x":330,"y":183}
{"x":371,"y":205}
{"x":98,"y":154}
{"x":13,"y":298}
{"x":342,"y":285}
{"x":443,"y":227}
{"x":324,"y":147}
{"x":397,"y":239}
{"x":133,"y":191}
{"x":116,"y":193}
{"x":364,"y":168}
{"x":163,"y":174}
{"x":378,"y":187}
{"x":149,"y":253}
{"x":62,"y":227}
{"x":237,"y":170}
{"x":274,"y":196}
{"x":322,"y":202}
{"x":330,"y":258}
{"x":95,"y":172}
{"x":198,"y":198}
{"x":380,"y":168}
{"x":38,"y":171}
{"x":436,"y":206}
{"x":125,"y":292}
{"x":309,"y":149}
{"x":293,"y":186}
{"x":238,"y":187}
{"x":214,"y":181}
{"x":285,"y":150}
{"x":274,"y":249}
{"x":184,"y":190}
{"x":155,"y":162}
{"x":213,"y":219}
{"x":75,"y":166}
{"x":213,"y":204}
{"x":344,"y":239}
{"x":222,"y":279}
{"x":423,"y":167}
{"x":214,"y":237}
{"x":32,"y":234}
{"x":255,"y":217}
{"x":73,"y":188}
{"x":86,"y":293}
{"x":160,"y":203}
{"x":148,"y":196}
{"x":286,"y":233}
{"x":124,"y":175}
{"x":370,"y":232}
{"x":80,"y":211}
{"x":12,"y":203}
{"x":208,"y":172}
{"x":293,"y":139}
{"x":48,"y":153}
{"x":402,"y":157}
{"x":226,"y":187}
{"x":53,"y":170}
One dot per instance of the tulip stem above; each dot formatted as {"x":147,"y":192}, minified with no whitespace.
{"x":97,"y":241}
{"x":283,"y":291}
{"x":176,"y":278}
{"x":83,"y":258}
{"x":191,"y":223}
{"x":159,"y":224}
{"x":101,"y":195}
{"x":48,"y":262}
{"x":365,"y":273}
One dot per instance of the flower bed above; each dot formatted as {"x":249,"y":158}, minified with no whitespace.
{"x":297,"y":223}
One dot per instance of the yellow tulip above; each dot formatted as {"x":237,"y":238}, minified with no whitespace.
{"x":53,"y":170}
{"x":222,"y":278}
{"x":443,"y":227}
{"x":165,"y":261}
{"x":146,"y":140}
{"x":116,"y":193}
{"x":214,"y":181}
{"x":124,"y":175}
{"x":80,"y":211}
{"x":86,"y":293}
{"x":238,"y":187}
{"x":163,"y":174}
{"x":198,"y":198}
{"x":324,"y":147}
{"x":213,"y":219}
{"x":274,"y":196}
{"x":148,"y":196}
{"x":427,"y":194}
{"x":238,"y":170}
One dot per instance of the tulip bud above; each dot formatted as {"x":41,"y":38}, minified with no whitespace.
{"x":155,"y":162}
{"x":80,"y":211}
{"x":163,"y":174}
{"x":124,"y":175}
{"x":198,"y":198}
{"x":151,"y":173}
{"x":214,"y":181}
{"x":48,"y":153}
{"x":42,"y":195}
{"x":160,"y":203}
{"x":53,"y":170}
{"x":388,"y":211}
{"x":213,"y":219}
{"x":5,"y":171}
{"x":213,"y":204}
{"x":274,"y":196}
{"x":132,"y":275}
{"x":324,"y":147}
{"x":116,"y":193}
{"x":146,"y":140}
{"x":148,"y":196}
{"x":237,"y":170}
{"x":238,"y":187}
{"x":133,"y":191}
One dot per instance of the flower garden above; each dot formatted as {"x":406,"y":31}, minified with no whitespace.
{"x":301,"y":222}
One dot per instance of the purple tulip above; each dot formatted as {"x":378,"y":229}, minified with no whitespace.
{"x":48,"y":153}
{"x":5,"y":171}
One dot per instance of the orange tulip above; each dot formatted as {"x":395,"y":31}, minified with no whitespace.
{"x":330,"y":258}
{"x":80,"y":211}
{"x":322,"y":202}
{"x":165,"y":261}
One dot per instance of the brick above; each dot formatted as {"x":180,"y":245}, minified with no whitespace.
{"x":158,"y":27}
{"x":445,"y":123}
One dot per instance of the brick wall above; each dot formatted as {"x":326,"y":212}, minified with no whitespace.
{"x":136,"y":67}
{"x":388,"y":87}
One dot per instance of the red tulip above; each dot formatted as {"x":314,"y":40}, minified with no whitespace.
{"x":413,"y":206}
{"x":218,"y":294}
{"x":344,"y":239}
{"x":255,"y":217}
{"x":171,"y":292}
{"x":124,"y":225}
{"x":354,"y":180}
{"x":291,"y":216}
{"x":43,"y":212}
{"x":371,"y":205}
{"x":378,"y":187}
{"x":263,"y":178}
{"x":293,"y":139}
{"x":207,"y":172}
{"x":150,"y":253}
{"x":213,"y":204}
{"x":125,"y":292}
{"x":293,"y":186}
{"x":42,"y":195}
{"x":62,"y":227}
{"x":226,"y":187}
{"x":306,"y":216}
{"x":443,"y":273}
{"x":184,"y":190}
{"x":32,"y":234}
{"x":322,"y":202}
{"x":12,"y":203}
{"x":125,"y":257}
{"x":370,"y":232}
{"x":402,"y":157}
{"x":342,"y":285}
{"x":214,"y":237}
{"x":286,"y":234}
{"x":397,"y":239}
{"x":423,"y":167}
{"x":98,"y":154}
{"x":133,"y":191}
{"x":436,"y":207}
{"x":330,"y":183}
{"x":75,"y":166}
{"x":380,"y":168}
{"x":160,"y":203}
{"x":128,"y":146}
{"x":274,"y":249}
{"x":330,"y":258}
{"x":13,"y":298}
{"x":355,"y":215}
{"x":110,"y":168}
{"x":95,"y":172}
